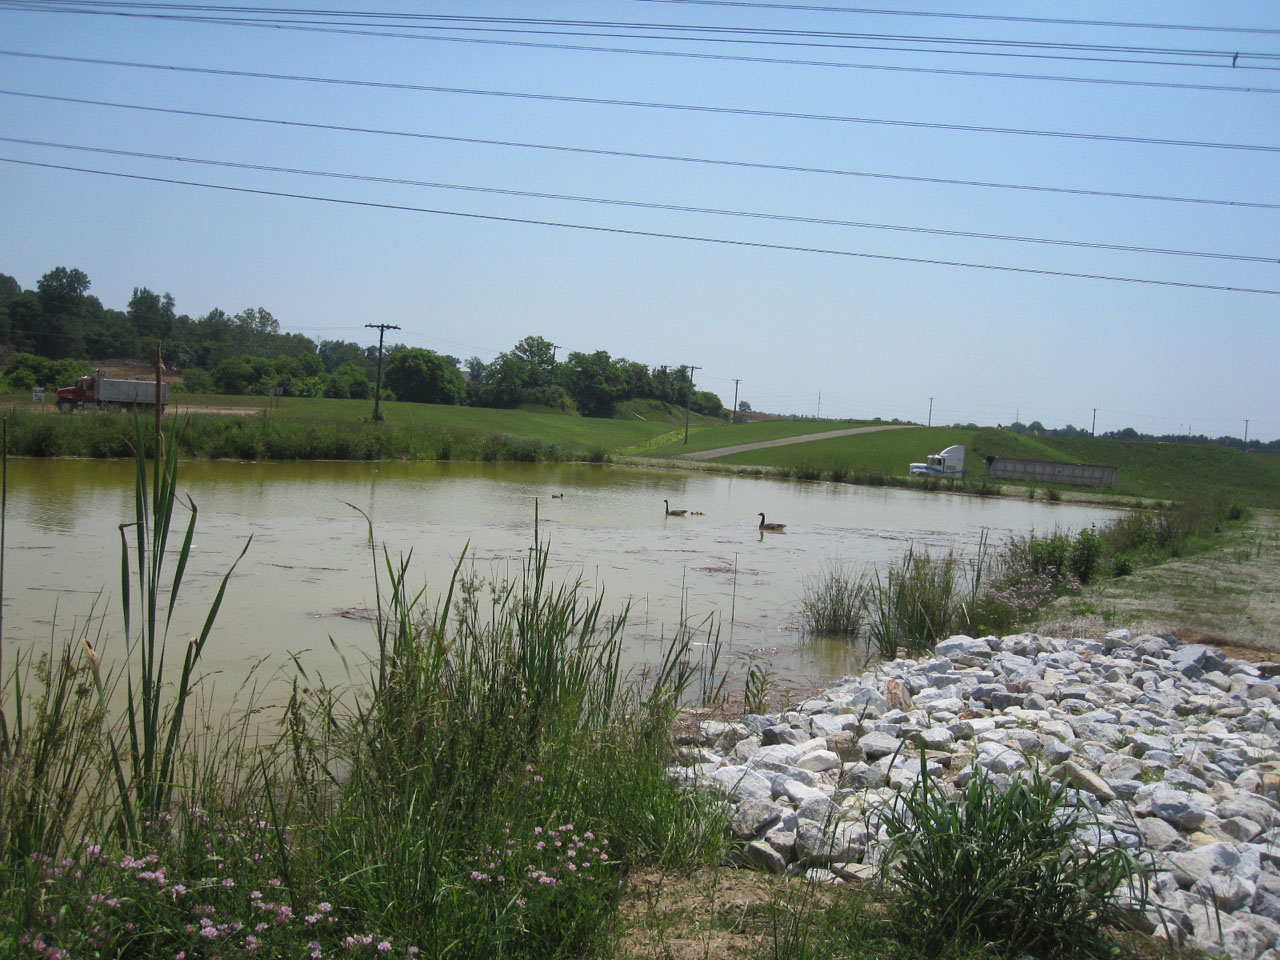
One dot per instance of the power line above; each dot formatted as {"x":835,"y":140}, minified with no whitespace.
{"x":737,"y":36}
{"x":693,"y":108}
{"x":865,"y":11}
{"x":286,"y":17}
{"x":792,"y":61}
{"x":620,"y":231}
{"x":633,"y":155}
{"x":644,"y":205}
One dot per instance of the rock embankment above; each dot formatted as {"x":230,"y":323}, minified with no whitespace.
{"x":1175,"y":748}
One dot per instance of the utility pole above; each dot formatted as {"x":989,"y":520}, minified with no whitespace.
{"x":554,"y":348}
{"x":930,"y":423}
{"x":1093,"y":429}
{"x":819,"y":414}
{"x":735,"y":407}
{"x":688,"y":399}
{"x":382,"y":328}
{"x":1246,"y":433}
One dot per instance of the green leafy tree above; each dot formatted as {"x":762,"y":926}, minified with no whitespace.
{"x":57,"y":331}
{"x":111,"y":334}
{"x":152,"y":316}
{"x":335,"y":353}
{"x":232,"y":375}
{"x":424,"y":376}
{"x":539,"y":357}
{"x":707,"y":403}
{"x":505,"y":382}
{"x":594,"y":382}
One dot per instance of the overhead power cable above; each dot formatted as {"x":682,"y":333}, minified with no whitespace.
{"x":278,"y":19}
{"x":621,"y":231}
{"x":645,"y":205}
{"x":692,"y":108}
{"x":785,"y":168}
{"x":779,"y":61}
{"x":986,"y":17}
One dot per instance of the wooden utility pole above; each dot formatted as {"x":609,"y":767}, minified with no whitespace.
{"x":736,"y":381}
{"x":159,"y":396}
{"x":688,"y":399}
{"x":382,"y":328}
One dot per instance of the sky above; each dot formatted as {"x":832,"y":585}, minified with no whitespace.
{"x":945,"y":212}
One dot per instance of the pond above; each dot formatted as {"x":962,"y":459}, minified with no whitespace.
{"x":305,"y":587}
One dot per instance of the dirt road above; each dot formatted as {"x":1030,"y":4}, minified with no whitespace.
{"x":827,"y":435}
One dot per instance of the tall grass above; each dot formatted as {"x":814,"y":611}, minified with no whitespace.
{"x":833,"y":603}
{"x":1010,"y":871}
{"x":915,"y":605}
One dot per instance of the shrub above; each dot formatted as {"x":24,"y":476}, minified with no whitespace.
{"x":1084,"y":555}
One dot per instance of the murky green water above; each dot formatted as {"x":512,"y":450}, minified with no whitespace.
{"x":308,"y":575}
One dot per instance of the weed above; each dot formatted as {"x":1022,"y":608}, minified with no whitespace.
{"x":834,"y":603}
{"x":1002,"y":867}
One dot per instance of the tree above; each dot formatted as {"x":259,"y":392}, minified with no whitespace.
{"x":706,"y":403}
{"x":10,"y":289}
{"x":505,"y":381}
{"x":336,"y":353}
{"x":539,"y":357}
{"x":152,"y":316}
{"x":424,"y":376}
{"x":744,"y":407}
{"x":594,"y":382}
{"x":58,"y":330}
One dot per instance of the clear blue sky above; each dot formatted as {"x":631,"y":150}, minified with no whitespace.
{"x":804,"y":329}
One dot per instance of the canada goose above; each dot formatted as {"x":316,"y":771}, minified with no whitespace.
{"x":673,"y":513}
{"x":557,"y":496}
{"x":771,"y":526}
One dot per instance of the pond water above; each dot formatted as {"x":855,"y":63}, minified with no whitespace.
{"x":305,"y":586}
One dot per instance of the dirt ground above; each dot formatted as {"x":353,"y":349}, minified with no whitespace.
{"x":1229,"y":598}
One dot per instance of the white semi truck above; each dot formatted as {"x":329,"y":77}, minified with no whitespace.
{"x":948,"y":463}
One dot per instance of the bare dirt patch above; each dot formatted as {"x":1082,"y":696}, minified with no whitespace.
{"x":1229,"y":598}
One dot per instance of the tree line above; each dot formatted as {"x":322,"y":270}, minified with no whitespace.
{"x":49,"y":335}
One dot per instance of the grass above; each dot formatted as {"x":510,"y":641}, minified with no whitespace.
{"x":997,"y":870}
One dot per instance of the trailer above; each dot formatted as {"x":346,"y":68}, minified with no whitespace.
{"x":100,"y":392}
{"x":1052,"y":471}
{"x":948,"y":463}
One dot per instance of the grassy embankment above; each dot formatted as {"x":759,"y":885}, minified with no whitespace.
{"x":301,"y":429}
{"x":1148,"y":471}
{"x":491,"y":789}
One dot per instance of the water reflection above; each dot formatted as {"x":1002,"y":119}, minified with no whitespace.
{"x":307,"y":577}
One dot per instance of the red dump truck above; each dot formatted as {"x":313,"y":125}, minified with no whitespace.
{"x":100,"y":392}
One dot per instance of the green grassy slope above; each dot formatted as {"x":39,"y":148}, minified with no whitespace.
{"x":570,"y":430}
{"x":1150,"y":470}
